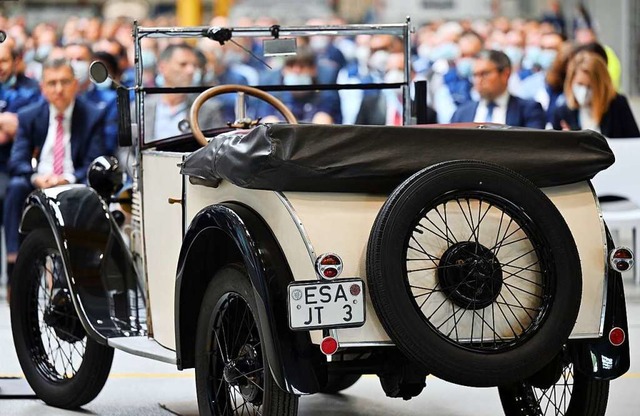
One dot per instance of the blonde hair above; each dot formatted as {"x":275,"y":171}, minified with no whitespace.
{"x":602,"y":89}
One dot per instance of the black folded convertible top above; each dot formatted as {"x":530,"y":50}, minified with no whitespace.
{"x":376,"y":159}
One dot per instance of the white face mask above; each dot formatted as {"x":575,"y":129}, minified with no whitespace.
{"x":80,"y":70}
{"x":582,"y":94}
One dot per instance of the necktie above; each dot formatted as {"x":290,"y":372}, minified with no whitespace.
{"x":490,"y":107}
{"x":58,"y":147}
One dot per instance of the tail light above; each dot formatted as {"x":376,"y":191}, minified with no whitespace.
{"x":329,"y":266}
{"x":621,"y":259}
{"x":617,"y":336}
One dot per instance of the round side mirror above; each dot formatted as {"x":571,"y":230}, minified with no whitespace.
{"x":105,"y":176}
{"x":98,"y":72}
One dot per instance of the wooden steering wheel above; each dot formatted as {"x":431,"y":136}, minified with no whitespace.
{"x":231,"y":88}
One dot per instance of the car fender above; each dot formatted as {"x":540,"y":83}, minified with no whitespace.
{"x":293,"y":359}
{"x":99,"y":270}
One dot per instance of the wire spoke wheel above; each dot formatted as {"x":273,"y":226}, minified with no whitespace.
{"x":572,"y":394}
{"x":62,"y":364}
{"x":474,"y":269}
{"x":230,"y":364}
{"x":59,"y":339}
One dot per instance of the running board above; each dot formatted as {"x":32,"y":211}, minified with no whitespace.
{"x":144,"y":347}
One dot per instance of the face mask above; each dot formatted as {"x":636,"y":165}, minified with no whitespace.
{"x":362,"y":54}
{"x":445,"y":51}
{"x":80,"y":70}
{"x":378,"y":61}
{"x":464,"y":67}
{"x":42,"y":52}
{"x":531,"y":57}
{"x":319,"y":43}
{"x":394,"y":76}
{"x":515,"y":54}
{"x":546,"y":58}
{"x":297,"y":79}
{"x":424,"y":51}
{"x":148,"y":58}
{"x":582,"y":94}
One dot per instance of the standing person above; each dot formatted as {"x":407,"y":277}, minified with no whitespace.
{"x":592,"y":101}
{"x":491,"y":72}
{"x":62,"y":133}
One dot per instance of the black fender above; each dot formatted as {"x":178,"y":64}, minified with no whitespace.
{"x":230,"y":232}
{"x":598,"y":358}
{"x":99,"y":269}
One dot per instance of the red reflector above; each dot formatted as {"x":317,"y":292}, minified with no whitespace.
{"x":330,"y":260}
{"x":622,"y":253}
{"x":354,"y":290}
{"x":329,"y":346}
{"x":616,"y":336}
{"x":330,"y":272}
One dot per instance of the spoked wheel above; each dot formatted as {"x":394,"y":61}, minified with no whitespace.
{"x":62,"y":365}
{"x":231,"y":373}
{"x":473,"y":271}
{"x":572,"y":394}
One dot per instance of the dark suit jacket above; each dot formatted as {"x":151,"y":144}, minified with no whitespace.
{"x":617,"y":122}
{"x":520,"y":113}
{"x":87,"y":137}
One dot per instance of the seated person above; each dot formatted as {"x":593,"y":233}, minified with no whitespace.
{"x":491,"y":72}
{"x":61,"y":133}
{"x":309,"y":106}
{"x":177,"y":66}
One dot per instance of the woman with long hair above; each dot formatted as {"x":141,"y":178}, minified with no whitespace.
{"x":592,"y":101}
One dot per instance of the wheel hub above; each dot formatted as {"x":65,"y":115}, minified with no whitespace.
{"x":62,"y":317}
{"x":470,"y":275}
{"x":245,"y":373}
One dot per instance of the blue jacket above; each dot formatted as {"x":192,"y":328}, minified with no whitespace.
{"x":87,"y":139}
{"x":24,"y":92}
{"x":520,"y":113}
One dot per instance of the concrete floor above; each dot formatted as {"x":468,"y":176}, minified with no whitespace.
{"x":143,"y":387}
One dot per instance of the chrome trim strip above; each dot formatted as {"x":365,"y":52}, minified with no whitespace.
{"x":144,"y":347}
{"x":367,"y":344}
{"x":606,"y":264}
{"x":300,"y":227}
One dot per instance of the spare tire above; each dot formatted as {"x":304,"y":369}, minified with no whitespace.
{"x":474,"y":273}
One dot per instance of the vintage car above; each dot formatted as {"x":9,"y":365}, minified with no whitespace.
{"x":288,"y":259}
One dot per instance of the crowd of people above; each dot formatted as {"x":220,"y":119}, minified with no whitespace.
{"x":53,"y":120}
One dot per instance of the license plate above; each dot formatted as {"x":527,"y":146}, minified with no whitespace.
{"x":336,"y":304}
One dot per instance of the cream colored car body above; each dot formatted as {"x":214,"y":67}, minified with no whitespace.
{"x":309,"y":224}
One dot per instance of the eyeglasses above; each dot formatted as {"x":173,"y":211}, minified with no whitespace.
{"x":485,"y":73}
{"x":65,"y":82}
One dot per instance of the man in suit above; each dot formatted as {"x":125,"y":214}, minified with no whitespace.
{"x":60,"y":136}
{"x":491,"y":72}
{"x":177,"y":65}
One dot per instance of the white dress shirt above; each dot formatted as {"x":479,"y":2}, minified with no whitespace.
{"x":45,"y":166}
{"x":499,"y":111}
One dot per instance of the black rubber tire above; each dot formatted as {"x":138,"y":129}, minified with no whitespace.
{"x":574,"y":394}
{"x":338,"y":382}
{"x":57,"y":379}
{"x":229,"y":307}
{"x":450,"y":356}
